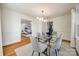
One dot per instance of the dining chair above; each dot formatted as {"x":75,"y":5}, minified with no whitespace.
{"x":57,"y":43}
{"x":37,"y":46}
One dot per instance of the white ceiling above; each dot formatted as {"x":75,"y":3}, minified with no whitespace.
{"x":34,"y":9}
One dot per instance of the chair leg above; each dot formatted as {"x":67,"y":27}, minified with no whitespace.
{"x":39,"y":53}
{"x":45,"y":52}
{"x":56,"y":52}
{"x":32,"y":52}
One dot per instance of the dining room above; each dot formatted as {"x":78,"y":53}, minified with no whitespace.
{"x":42,"y":29}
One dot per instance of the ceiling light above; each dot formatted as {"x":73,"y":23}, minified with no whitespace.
{"x":43,"y":17}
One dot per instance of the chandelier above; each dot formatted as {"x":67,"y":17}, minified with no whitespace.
{"x":43,"y":18}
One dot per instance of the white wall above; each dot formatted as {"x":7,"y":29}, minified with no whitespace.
{"x":62,"y":24}
{"x":11,"y":26}
{"x":77,"y":28}
{"x":22,"y":26}
{"x":44,"y":27}
{"x":1,"y":51}
{"x":0,"y":28}
{"x":77,"y":32}
{"x":36,"y":27}
{"x":77,"y":24}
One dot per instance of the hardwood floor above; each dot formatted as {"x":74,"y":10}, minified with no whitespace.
{"x":9,"y":50}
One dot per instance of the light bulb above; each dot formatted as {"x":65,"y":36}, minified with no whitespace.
{"x":37,"y":17}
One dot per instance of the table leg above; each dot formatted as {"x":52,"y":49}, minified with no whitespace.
{"x":49,"y":47}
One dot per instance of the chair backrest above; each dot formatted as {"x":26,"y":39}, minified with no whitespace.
{"x":54,"y":35}
{"x":38,"y":35}
{"x":35,"y":45}
{"x":58,"y":41}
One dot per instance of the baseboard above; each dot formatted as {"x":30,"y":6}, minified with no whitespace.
{"x":12,"y":43}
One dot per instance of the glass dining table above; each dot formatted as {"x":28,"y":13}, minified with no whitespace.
{"x":49,"y":40}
